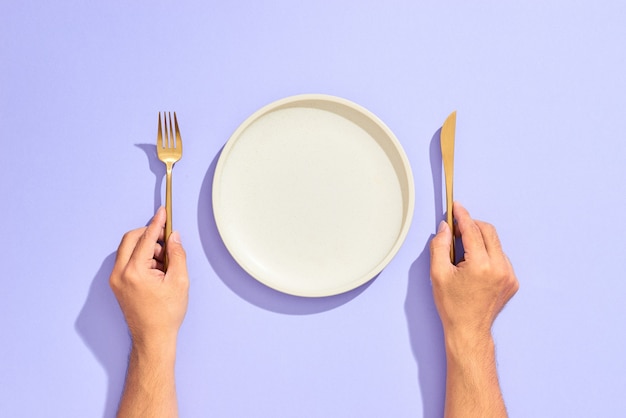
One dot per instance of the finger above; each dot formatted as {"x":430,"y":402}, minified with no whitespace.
{"x":161,"y":237}
{"x":144,"y":250}
{"x":127,"y":245}
{"x":471,"y":236}
{"x":176,"y":256}
{"x":490,"y":238}
{"x":440,"y":250}
{"x":158,"y":252}
{"x":157,"y":265}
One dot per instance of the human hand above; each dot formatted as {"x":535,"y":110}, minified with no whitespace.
{"x":154,"y":302}
{"x":470,"y":295}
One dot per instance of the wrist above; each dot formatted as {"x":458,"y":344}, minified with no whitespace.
{"x":468,"y":345}
{"x":155,"y":348}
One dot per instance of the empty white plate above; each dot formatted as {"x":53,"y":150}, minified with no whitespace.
{"x":313,"y":195}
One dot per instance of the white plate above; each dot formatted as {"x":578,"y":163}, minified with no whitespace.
{"x":313,"y":195}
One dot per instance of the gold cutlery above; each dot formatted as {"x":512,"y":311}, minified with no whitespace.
{"x":447,"y":155}
{"x":169,"y":150}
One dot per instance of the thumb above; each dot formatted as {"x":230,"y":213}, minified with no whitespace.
{"x":440,"y":250}
{"x":176,"y":256}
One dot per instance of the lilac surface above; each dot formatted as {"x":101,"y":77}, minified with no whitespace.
{"x":539,"y":88}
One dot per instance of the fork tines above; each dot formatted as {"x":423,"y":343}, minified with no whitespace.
{"x":168,"y":139}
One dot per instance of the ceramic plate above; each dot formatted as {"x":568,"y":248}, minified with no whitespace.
{"x":313,"y":195}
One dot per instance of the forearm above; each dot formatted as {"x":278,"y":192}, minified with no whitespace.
{"x":150,"y":389}
{"x":472,"y":387}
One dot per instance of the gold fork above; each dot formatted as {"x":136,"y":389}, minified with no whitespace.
{"x":169,"y":150}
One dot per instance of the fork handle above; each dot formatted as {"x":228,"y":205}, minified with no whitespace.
{"x":168,"y":210}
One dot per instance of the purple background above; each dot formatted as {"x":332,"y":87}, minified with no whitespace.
{"x":540,"y":92}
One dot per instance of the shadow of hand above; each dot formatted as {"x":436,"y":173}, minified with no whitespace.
{"x":425,"y":330}
{"x":426,"y":336}
{"x":102,"y":327}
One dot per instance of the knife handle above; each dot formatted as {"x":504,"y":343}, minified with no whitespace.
{"x":448,"y":168}
{"x":450,"y":221}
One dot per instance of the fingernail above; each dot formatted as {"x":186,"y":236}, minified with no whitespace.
{"x":443,"y":225}
{"x":176,"y":237}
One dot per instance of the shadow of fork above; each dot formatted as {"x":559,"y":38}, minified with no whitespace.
{"x":157,"y":168}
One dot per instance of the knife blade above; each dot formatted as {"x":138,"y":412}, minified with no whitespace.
{"x":447,"y":155}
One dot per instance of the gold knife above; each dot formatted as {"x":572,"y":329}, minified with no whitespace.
{"x":447,"y":155}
